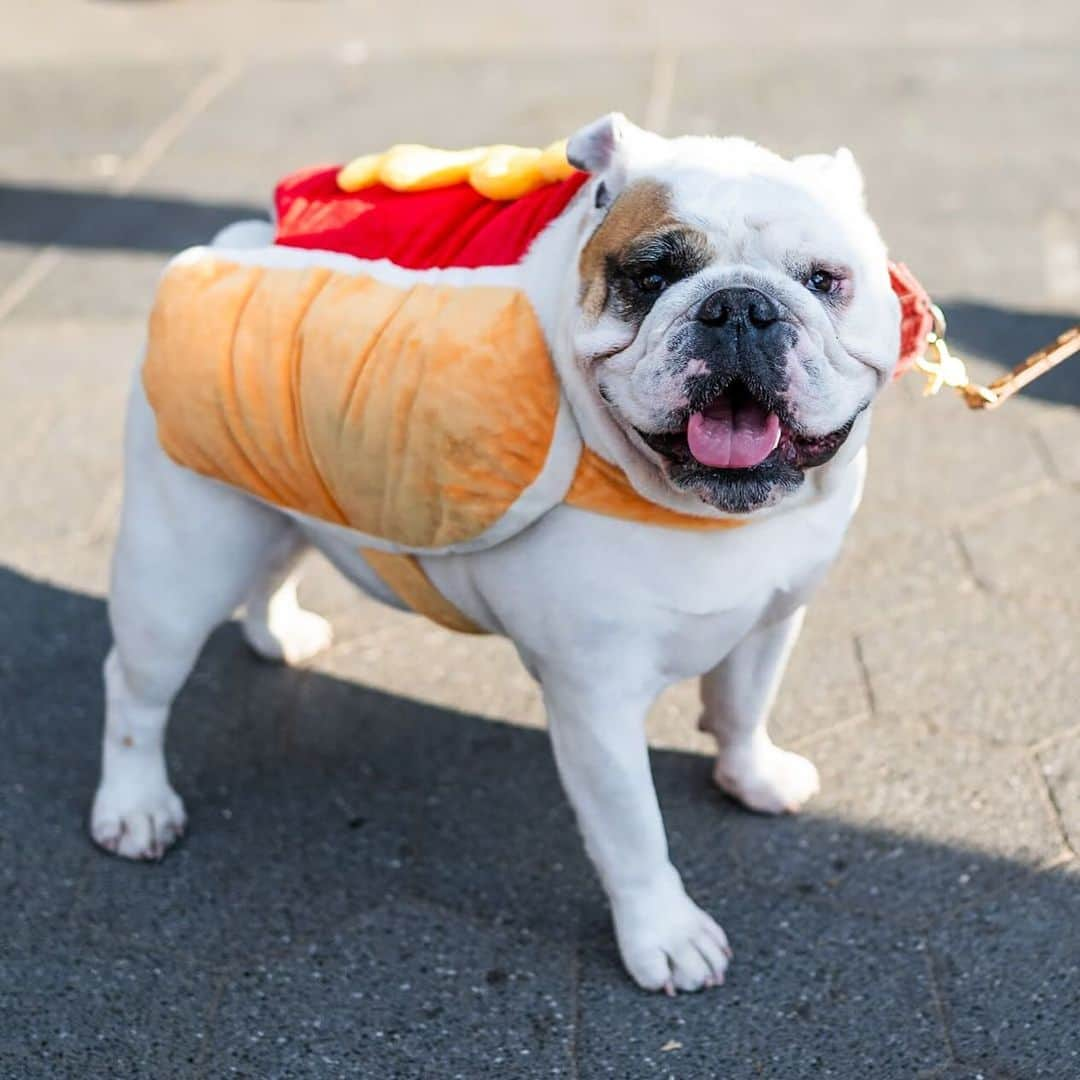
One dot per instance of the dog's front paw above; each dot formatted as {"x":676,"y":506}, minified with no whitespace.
{"x":768,"y":779}
{"x":667,"y":942}
{"x":137,"y":824}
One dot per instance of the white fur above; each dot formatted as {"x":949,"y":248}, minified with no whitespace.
{"x":604,"y":613}
{"x":759,"y":211}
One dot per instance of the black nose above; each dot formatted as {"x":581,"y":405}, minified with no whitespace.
{"x":738,"y":307}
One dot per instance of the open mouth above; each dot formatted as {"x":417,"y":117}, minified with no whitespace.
{"x":734,"y":430}
{"x":740,"y":434}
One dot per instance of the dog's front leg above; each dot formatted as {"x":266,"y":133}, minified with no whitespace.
{"x":666,"y":941}
{"x":737,"y":696}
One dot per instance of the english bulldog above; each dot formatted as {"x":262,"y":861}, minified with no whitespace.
{"x":721,"y":320}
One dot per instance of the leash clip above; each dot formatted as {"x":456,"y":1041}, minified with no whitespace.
{"x":940,"y":366}
{"x":943,"y":368}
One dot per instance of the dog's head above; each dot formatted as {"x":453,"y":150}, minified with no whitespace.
{"x":734,"y":313}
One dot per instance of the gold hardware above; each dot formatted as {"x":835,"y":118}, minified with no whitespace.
{"x":943,"y":368}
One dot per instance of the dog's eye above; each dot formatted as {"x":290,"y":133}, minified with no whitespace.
{"x":651,"y":283}
{"x":821,"y":281}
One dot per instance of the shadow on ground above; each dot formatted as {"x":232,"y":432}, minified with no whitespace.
{"x":1005,"y":336}
{"x":373,"y":887}
{"x":36,"y":215}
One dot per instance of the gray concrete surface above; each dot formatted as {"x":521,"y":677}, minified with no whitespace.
{"x":382,"y":878}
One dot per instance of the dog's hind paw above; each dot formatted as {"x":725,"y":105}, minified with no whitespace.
{"x":142,"y":826}
{"x":769,"y":780}
{"x":289,"y":637}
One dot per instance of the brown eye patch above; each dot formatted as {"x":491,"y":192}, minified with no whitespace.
{"x":637,"y":277}
{"x":638,"y":249}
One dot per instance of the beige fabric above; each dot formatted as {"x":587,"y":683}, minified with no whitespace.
{"x":416,"y":415}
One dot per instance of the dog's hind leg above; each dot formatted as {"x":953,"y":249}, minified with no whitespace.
{"x":189,"y":552}
{"x":275,"y":625}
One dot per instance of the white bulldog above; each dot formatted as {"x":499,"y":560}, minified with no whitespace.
{"x":721,"y":320}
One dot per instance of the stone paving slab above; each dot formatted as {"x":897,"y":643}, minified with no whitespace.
{"x":983,"y":810}
{"x":856,"y":1001}
{"x":1015,"y":553}
{"x":1060,"y":436}
{"x":1021,"y":946}
{"x":69,"y":135}
{"x":999,"y":461}
{"x":75,"y":126}
{"x":914,"y":144}
{"x":112,"y":1012}
{"x":279,"y":27}
{"x":404,"y":990}
{"x":391,"y":814}
{"x":294,"y":838}
{"x":975,"y":671}
{"x":64,"y":387}
{"x":329,"y":112}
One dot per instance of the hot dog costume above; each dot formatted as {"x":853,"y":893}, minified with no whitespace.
{"x":331,"y":374}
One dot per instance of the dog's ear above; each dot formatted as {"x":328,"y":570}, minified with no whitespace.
{"x":838,"y":173}
{"x":606,"y":148}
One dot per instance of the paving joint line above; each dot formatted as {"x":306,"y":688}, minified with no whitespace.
{"x":808,"y":742}
{"x":104,"y":517}
{"x":941,"y":1006}
{"x":968,"y":563}
{"x":201,"y":1064}
{"x":864,"y":671}
{"x":1050,"y":803}
{"x":575,"y":1023}
{"x":1006,"y":500}
{"x":39,"y":268}
{"x":1048,"y":741}
{"x":155,"y":146}
{"x":165,"y":134}
{"x":1062,"y":858}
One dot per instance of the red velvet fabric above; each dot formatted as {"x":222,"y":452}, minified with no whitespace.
{"x":456,"y":226}
{"x":420,"y":230}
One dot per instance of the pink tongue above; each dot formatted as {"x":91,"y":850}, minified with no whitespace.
{"x":727,"y":438}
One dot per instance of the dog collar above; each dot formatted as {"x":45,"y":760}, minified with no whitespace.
{"x":916,"y":316}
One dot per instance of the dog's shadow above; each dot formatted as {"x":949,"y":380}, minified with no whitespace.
{"x":361,"y":863}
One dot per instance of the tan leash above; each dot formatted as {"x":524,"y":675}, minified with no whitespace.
{"x":944,"y":368}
